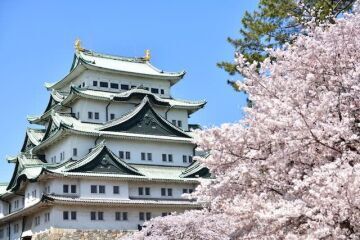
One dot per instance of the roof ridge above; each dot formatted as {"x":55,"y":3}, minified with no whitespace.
{"x":126,"y":115}
{"x":112,"y":57}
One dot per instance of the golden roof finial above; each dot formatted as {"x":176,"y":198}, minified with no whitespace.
{"x":78,"y":45}
{"x":147,"y":55}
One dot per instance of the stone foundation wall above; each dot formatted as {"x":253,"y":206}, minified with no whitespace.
{"x":73,"y":234}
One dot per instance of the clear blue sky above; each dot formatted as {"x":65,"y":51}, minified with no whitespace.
{"x":36,"y":46}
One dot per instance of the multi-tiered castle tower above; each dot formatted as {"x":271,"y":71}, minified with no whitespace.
{"x":113,"y":150}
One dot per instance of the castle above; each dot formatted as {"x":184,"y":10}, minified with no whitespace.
{"x":112,"y":149}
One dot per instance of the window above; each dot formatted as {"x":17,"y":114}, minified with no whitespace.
{"x":112,"y":116}
{"x":66,"y":215}
{"x":74,"y":152}
{"x":124,"y":87}
{"x":185,"y":190}
{"x":184,"y":158}
{"x":47,"y":217}
{"x":78,"y":115}
{"x":179,"y":123}
{"x":154,"y":90}
{"x":104,"y":84}
{"x":164,"y":158}
{"x":114,"y":85}
{"x":170,"y":157}
{"x":141,"y":216}
{"x":16,"y":227}
{"x":83,"y":84}
{"x":95,"y":83}
{"x":162,"y":91}
{"x":163,"y":191}
{"x":133,"y":86}
{"x":164,"y":214}
{"x":93,"y":188}
{"x":118,"y":216}
{"x":102,"y":189}
{"x":73,"y":189}
{"x":128,"y":155}
{"x":93,"y":216}
{"x":124,"y":216}
{"x":149,"y":156}
{"x":90,"y":115}
{"x":143,"y":156}
{"x":141,"y":191}
{"x":121,"y":154}
{"x":146,"y":88}
{"x":174,"y":122}
{"x":16,"y":204}
{"x":73,"y":215}
{"x":148,"y":216}
{"x":190,"y":159}
{"x":147,"y":191}
{"x":100,"y":215}
{"x":169,"y":192}
{"x":96,"y":115}
{"x":65,"y":188}
{"x":116,"y":189}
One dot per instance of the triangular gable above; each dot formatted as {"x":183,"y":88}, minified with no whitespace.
{"x":27,"y":144}
{"x":101,"y":160}
{"x":196,"y":170}
{"x":52,"y":127}
{"x":144,"y":120}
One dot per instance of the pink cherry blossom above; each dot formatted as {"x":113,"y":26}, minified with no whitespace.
{"x":291,"y":168}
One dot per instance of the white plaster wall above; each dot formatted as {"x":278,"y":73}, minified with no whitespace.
{"x":82,"y":143}
{"x":4,"y":228}
{"x":179,"y":114}
{"x":12,"y":202}
{"x":30,"y":221}
{"x":4,"y":208}
{"x":136,"y":147}
{"x":30,"y":187}
{"x":83,"y":188}
{"x":83,"y":220}
{"x":89,"y":76}
{"x":82,"y":106}
{"x":155,"y":189}
{"x":156,"y":148}
{"x":13,"y":235}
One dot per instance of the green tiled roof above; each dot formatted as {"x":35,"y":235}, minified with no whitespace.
{"x":124,"y":96}
{"x":99,"y":156}
{"x":127,"y":66}
{"x":196,"y":169}
{"x":144,"y":120}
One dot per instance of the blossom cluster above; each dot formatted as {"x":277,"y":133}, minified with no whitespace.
{"x":291,"y":168}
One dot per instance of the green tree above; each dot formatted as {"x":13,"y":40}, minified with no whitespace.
{"x":276,"y":22}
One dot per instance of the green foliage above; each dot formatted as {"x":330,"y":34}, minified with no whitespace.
{"x":276,"y":22}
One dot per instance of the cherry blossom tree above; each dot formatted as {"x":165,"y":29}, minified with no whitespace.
{"x":291,"y":168}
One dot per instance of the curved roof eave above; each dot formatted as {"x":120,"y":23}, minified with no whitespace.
{"x":76,"y":71}
{"x":172,"y":78}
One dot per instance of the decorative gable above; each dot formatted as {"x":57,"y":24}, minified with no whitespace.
{"x":144,"y":120}
{"x":101,"y":160}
